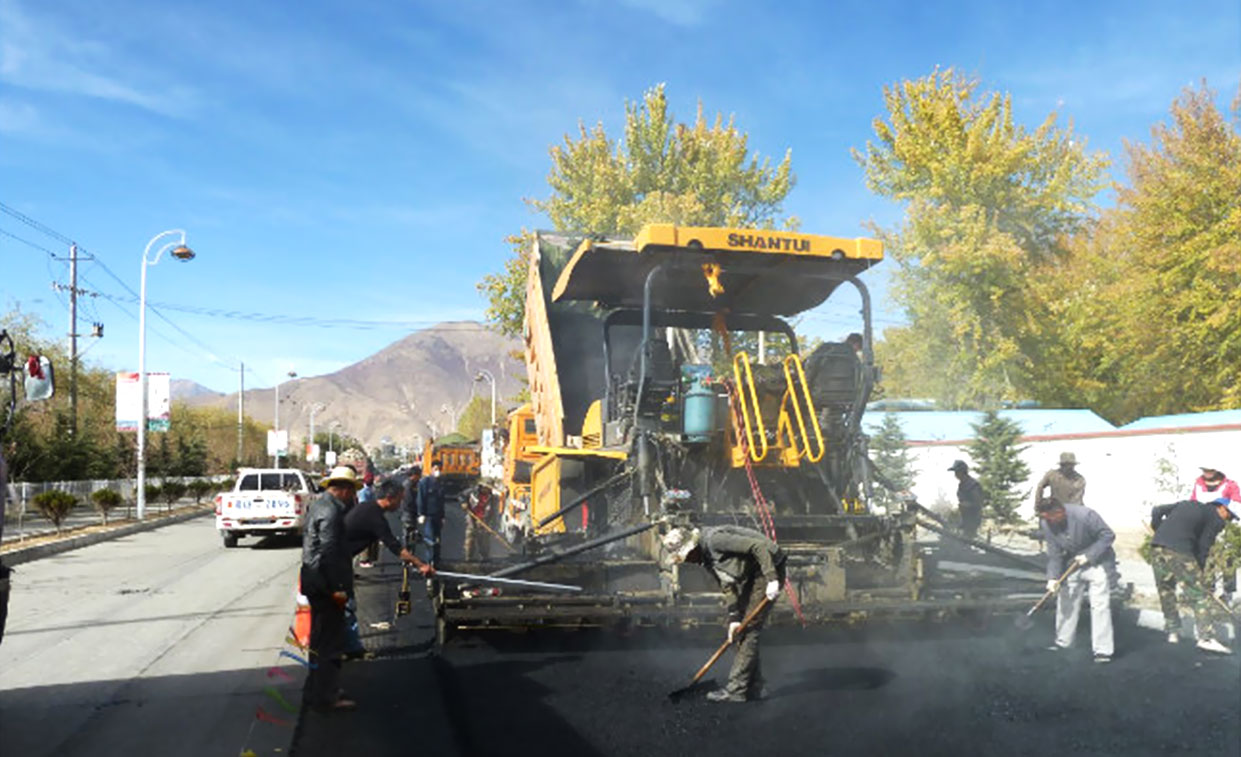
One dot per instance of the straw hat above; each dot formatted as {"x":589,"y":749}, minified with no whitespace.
{"x":342,"y":474}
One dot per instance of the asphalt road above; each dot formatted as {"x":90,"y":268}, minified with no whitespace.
{"x":158,"y":643}
{"x":976,"y":687}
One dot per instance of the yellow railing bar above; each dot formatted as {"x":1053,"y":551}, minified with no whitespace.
{"x":795,"y":362}
{"x":739,"y":360}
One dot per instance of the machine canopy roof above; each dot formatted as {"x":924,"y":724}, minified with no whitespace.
{"x":761,"y":272}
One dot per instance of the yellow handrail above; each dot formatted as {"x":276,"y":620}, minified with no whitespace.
{"x":806,"y":452}
{"x":739,"y":360}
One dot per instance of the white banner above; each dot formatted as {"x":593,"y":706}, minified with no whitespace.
{"x":129,"y":401}
{"x":330,"y":458}
{"x":278,"y":442}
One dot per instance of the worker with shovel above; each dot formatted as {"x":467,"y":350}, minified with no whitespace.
{"x":1079,"y":544}
{"x":750,"y":569}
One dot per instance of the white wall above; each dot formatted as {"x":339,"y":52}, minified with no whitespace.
{"x":1121,"y":468}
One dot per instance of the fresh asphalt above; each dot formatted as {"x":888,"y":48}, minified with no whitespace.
{"x":974,"y":686}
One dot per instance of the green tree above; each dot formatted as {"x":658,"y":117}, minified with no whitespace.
{"x":199,"y":488}
{"x":105,"y":501}
{"x":660,"y":171}
{"x":999,"y":465}
{"x":477,"y":416}
{"x":988,"y":204}
{"x":890,"y":453}
{"x":55,"y":505}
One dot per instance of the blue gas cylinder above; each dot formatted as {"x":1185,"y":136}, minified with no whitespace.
{"x":698,"y":418}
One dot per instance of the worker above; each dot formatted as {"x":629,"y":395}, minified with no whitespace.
{"x":1183,"y":537}
{"x":366,"y":495}
{"x":969,"y":498}
{"x":1212,"y":485}
{"x":409,"y":504}
{"x":478,"y":508}
{"x":431,"y":510}
{"x":748,"y":567}
{"x":1077,"y":538}
{"x":1066,"y":484}
{"x":327,"y":581}
{"x":367,"y":525}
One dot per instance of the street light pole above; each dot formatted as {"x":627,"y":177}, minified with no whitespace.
{"x":314,"y":409}
{"x":484,"y":374}
{"x":184,"y":254}
{"x":276,"y":422}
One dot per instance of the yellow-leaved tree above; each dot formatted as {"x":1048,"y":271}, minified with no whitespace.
{"x":988,"y":204}
{"x":661,"y":171}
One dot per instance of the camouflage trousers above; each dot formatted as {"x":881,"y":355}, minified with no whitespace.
{"x":1172,"y":568}
{"x":477,"y":540}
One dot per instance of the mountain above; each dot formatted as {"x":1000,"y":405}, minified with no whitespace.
{"x":400,"y":391}
{"x":185,"y":390}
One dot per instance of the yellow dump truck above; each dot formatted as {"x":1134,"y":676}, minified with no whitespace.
{"x":668,"y":387}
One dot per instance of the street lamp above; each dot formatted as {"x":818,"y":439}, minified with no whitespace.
{"x":184,"y":254}
{"x":276,"y":422}
{"x":492,"y":379}
{"x":314,"y":409}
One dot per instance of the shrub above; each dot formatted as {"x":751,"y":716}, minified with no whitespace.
{"x":153,"y":492}
{"x":55,"y":506}
{"x":173,"y":491}
{"x":199,"y":488}
{"x":106,"y":500}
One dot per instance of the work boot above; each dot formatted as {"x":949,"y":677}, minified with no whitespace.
{"x":1211,"y":645}
{"x":724,"y":695}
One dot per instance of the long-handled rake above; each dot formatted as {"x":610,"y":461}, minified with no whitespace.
{"x":681,"y":693}
{"x":1026,"y":622}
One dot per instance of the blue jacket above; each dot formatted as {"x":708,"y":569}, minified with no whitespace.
{"x":431,"y":497}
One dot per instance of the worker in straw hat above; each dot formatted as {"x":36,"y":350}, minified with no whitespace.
{"x":327,"y":581}
{"x":748,"y":567}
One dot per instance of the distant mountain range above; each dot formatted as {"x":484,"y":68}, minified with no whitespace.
{"x":397,"y":393}
{"x":186,"y":390}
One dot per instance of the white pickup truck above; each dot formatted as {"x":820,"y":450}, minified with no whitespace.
{"x":263,"y":502}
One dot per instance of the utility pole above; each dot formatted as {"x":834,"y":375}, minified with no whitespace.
{"x":241,"y":409}
{"x":73,"y":339}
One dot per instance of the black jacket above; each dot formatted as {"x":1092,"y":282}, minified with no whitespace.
{"x":970,"y":494}
{"x":366,"y":524}
{"x":326,"y":562}
{"x":737,"y":556}
{"x":1188,"y":527}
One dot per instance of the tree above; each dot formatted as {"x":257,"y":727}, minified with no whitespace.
{"x":55,"y":505}
{"x":660,"y":171}
{"x":171,"y":491}
{"x":998,"y":462}
{"x":890,"y":452}
{"x":199,"y":488}
{"x":988,"y":205}
{"x":105,"y":501}
{"x":475,"y":417}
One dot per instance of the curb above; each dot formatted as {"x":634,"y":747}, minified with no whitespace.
{"x":29,"y":554}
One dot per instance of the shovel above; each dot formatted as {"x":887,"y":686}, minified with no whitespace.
{"x":681,"y":693}
{"x":1026,"y":622}
{"x":403,"y":606}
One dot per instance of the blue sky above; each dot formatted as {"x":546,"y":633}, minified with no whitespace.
{"x":363,"y":159}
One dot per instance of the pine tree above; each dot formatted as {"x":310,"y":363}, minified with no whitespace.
{"x":890,"y":452}
{"x":998,"y":462}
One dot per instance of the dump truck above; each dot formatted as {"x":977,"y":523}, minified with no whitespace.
{"x":668,"y":387}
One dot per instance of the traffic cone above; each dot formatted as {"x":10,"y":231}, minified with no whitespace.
{"x":301,"y":618}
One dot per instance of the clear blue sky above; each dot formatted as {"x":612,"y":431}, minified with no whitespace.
{"x":363,"y":159}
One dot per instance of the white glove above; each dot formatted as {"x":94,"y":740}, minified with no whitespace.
{"x":1051,"y":584}
{"x":1080,"y":561}
{"x":773,"y":590}
{"x":733,"y":628}
{"x":422,"y":519}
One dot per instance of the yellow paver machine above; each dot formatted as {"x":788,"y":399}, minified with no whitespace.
{"x":668,"y":387}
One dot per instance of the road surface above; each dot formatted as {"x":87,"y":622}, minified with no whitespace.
{"x":158,"y":643}
{"x":978,"y":687}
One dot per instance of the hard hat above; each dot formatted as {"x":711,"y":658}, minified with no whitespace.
{"x":680,"y":542}
{"x":341,"y":474}
{"x":1068,"y":458}
{"x":1235,"y":509}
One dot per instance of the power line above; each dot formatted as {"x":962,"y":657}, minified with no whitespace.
{"x":28,"y":243}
